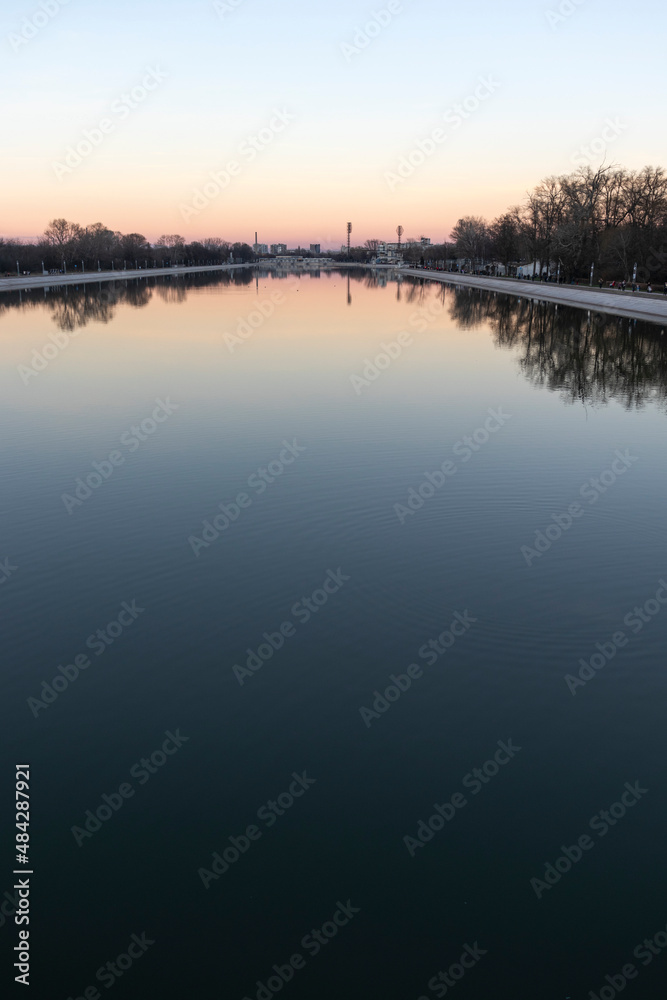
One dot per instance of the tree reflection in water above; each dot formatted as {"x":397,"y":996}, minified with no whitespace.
{"x":74,"y":306}
{"x":584,"y":356}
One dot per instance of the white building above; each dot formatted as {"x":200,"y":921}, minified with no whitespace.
{"x":536,"y":268}
{"x":388,"y":253}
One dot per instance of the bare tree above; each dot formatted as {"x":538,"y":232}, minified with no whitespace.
{"x":471,"y":236}
{"x":173,"y":242}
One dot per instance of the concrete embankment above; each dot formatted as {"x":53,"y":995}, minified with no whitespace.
{"x":50,"y":280}
{"x":652,"y":308}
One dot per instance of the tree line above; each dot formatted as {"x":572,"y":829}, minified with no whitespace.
{"x":611,"y":218}
{"x":68,"y":245}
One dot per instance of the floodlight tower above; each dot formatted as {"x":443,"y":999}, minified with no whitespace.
{"x":399,"y":232}
{"x":349,"y":233}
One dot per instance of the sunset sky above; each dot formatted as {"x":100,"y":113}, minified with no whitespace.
{"x":348,"y":114}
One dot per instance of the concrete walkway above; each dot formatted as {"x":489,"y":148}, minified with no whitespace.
{"x":651,"y":307}
{"x":49,"y":280}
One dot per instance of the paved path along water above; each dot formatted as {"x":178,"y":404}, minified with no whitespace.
{"x":51,"y":280}
{"x":652,"y":308}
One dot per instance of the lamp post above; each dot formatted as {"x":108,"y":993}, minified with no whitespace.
{"x":83,"y":267}
{"x":592,"y":271}
{"x":18,"y":270}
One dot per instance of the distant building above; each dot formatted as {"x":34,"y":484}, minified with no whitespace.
{"x":261,"y":248}
{"x":387,"y":253}
{"x":278,"y":248}
{"x":316,"y":248}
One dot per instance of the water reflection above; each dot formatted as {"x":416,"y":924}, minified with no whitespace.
{"x":74,"y":306}
{"x":585,"y":356}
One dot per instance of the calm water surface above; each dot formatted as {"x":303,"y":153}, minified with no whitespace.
{"x":157,"y":403}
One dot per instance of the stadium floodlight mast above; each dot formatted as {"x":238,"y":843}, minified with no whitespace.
{"x":349,"y":233}
{"x":399,"y":232}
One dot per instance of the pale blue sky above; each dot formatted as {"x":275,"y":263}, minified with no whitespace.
{"x":353,"y":119}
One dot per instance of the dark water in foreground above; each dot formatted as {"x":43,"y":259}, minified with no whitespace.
{"x":410,"y":522}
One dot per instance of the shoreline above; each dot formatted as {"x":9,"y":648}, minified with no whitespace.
{"x":53,"y":280}
{"x":651,"y":307}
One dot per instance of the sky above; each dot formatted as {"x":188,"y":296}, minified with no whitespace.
{"x":293,"y":117}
